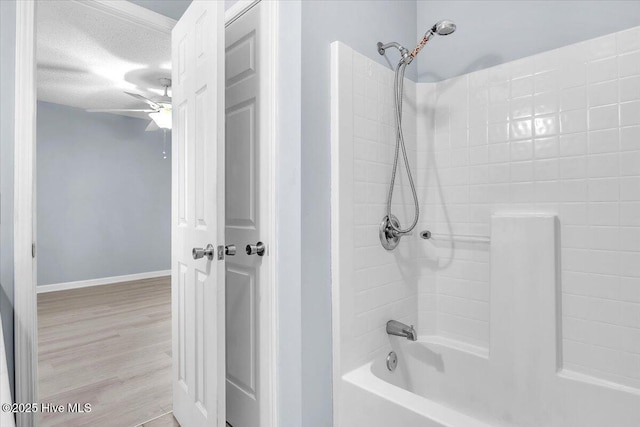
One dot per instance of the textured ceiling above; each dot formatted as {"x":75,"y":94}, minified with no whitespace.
{"x":87,"y":58}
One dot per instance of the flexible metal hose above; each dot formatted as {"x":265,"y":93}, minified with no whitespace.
{"x":398,"y":84}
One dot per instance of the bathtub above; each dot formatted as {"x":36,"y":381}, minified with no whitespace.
{"x":444,"y":383}
{"x":429,"y":387}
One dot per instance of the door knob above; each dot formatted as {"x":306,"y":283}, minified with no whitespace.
{"x":198,"y":253}
{"x":257,"y":249}
{"x":230,"y":250}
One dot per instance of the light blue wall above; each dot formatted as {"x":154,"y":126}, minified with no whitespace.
{"x":288,"y":146}
{"x":361,"y":25}
{"x":493,"y":32}
{"x":7,"y":74}
{"x":103,"y":196}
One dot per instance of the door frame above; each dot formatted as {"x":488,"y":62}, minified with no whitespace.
{"x":24,"y":221}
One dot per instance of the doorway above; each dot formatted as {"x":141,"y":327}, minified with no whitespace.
{"x":260,"y":303}
{"x":103,"y":203}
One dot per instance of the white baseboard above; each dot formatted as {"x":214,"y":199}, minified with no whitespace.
{"x":101,"y":281}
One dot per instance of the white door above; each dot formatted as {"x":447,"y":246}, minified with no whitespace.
{"x":245,"y":217}
{"x":198,"y":285}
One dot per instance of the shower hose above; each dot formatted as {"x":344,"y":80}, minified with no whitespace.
{"x":398,"y":85}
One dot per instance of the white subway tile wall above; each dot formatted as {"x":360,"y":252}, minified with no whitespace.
{"x":454,"y":130}
{"x":557,"y":132}
{"x":385,"y":282}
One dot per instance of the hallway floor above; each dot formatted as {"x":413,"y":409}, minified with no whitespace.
{"x":109,"y":346}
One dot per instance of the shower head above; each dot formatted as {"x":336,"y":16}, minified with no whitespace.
{"x":444,"y":27}
{"x":441,"y":28}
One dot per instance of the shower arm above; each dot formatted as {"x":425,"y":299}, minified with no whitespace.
{"x":404,"y":52}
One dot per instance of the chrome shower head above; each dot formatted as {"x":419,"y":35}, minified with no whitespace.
{"x":444,"y":27}
{"x":441,"y":28}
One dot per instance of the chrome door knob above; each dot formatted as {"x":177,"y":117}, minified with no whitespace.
{"x":257,"y":249}
{"x":198,"y":253}
{"x":230,"y":250}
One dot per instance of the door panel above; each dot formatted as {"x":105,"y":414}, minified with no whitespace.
{"x":241,"y":123}
{"x":244,"y":224}
{"x":240,"y":63}
{"x":198,"y":300}
{"x":240,"y":330}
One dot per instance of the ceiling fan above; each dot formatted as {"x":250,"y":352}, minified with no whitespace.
{"x":159,"y":110}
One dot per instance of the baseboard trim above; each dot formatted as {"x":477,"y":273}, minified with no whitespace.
{"x":41,"y":289}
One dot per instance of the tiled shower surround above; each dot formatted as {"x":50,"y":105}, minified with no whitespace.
{"x":385,"y":288}
{"x":557,"y":132}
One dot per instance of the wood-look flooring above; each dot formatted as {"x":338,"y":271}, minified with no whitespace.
{"x":109,"y":346}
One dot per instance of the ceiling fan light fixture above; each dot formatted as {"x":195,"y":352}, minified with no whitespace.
{"x":162,"y":118}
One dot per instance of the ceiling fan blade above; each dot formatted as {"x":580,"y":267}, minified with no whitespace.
{"x":152,"y":126}
{"x":152,"y":104}
{"x":118,"y":110}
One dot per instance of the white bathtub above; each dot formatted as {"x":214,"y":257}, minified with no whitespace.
{"x":415,"y":393}
{"x":440,"y":382}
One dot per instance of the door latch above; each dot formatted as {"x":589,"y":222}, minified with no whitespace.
{"x":229,"y":250}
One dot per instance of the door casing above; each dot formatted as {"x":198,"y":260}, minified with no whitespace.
{"x":25,"y":298}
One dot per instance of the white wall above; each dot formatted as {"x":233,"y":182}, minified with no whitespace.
{"x":494,"y":32}
{"x":454,"y":295}
{"x":556,"y":132}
